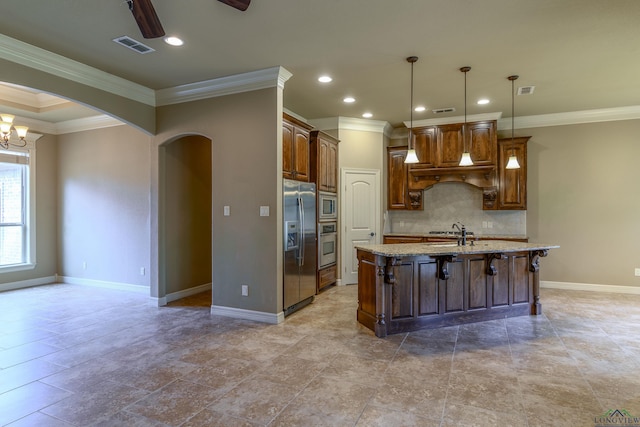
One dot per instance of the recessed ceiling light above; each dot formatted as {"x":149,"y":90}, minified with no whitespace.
{"x":367,"y":115}
{"x":483,"y":101}
{"x":419,"y":108}
{"x":349,"y":99}
{"x":324,"y":79}
{"x":173,"y":41}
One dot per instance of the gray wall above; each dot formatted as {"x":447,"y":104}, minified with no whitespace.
{"x":583,"y":195}
{"x":245,"y":130}
{"x":103,"y":205}
{"x":188,"y":213}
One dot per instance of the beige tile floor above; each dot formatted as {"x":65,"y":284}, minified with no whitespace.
{"x":81,"y":356}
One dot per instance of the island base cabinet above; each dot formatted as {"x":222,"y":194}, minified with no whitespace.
{"x":406,"y":294}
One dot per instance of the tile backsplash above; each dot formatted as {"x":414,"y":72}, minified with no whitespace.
{"x":451,"y":202}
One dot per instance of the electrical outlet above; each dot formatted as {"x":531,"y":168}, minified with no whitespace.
{"x":484,"y":224}
{"x":489,"y":224}
{"x":637,"y":271}
{"x":245,"y":290}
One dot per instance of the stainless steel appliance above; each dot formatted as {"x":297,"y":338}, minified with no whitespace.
{"x":327,"y":246}
{"x":327,"y":206}
{"x":299,"y":200}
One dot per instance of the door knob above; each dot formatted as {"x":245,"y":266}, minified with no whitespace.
{"x":372,"y":234}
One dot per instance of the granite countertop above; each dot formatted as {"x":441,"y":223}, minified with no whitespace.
{"x":452,"y":236}
{"x":429,"y":249}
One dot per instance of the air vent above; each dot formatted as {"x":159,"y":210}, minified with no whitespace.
{"x":132,"y":44}
{"x":444,"y":110}
{"x":526,"y":90}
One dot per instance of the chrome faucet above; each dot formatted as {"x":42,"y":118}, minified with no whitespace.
{"x":463,"y":233}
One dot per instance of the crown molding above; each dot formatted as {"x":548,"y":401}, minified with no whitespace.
{"x":69,"y":126}
{"x":350,"y":123}
{"x":572,"y":118}
{"x":34,"y":57}
{"x":454,"y":119}
{"x":88,"y":123}
{"x":245,"y":82}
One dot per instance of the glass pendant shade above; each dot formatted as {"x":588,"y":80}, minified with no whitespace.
{"x":465,"y":160}
{"x":411,"y":156}
{"x":513,"y":162}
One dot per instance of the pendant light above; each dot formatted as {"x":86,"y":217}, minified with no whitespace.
{"x":411,"y":152}
{"x":513,"y":160}
{"x":465,"y":160}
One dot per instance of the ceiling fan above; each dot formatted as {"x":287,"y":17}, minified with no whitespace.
{"x":149,"y":23}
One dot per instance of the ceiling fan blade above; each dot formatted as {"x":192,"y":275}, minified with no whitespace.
{"x":146,"y":18}
{"x":238,"y":4}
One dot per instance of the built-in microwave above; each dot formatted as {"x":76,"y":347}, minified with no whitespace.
{"x":327,"y":206}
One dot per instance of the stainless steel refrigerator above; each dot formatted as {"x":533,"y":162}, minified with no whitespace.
{"x":299,"y":200}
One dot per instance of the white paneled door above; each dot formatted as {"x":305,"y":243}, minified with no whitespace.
{"x":360,"y":216}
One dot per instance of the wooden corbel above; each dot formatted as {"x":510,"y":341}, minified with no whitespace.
{"x":491,"y":270}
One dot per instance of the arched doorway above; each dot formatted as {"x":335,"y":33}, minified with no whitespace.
{"x":185,"y":254}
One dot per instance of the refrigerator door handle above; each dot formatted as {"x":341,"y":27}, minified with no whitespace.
{"x":301,"y":233}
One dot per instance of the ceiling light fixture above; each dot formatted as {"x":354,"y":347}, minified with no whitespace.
{"x":411,"y":152}
{"x":465,"y":160}
{"x":367,"y":115}
{"x":512,"y":163}
{"x":419,"y":109}
{"x":173,"y":41}
{"x":483,"y":101}
{"x":6,"y":125}
{"x":325,"y":79}
{"x":349,"y":100}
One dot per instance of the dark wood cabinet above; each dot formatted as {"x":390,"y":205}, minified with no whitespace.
{"x":425,"y":143}
{"x":442,"y":146}
{"x":398,"y":194}
{"x":481,"y":142}
{"x":512,"y":183}
{"x":324,"y":161}
{"x":449,"y":145}
{"x":295,"y":149}
{"x":326,"y":277}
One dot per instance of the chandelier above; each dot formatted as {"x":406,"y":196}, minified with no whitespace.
{"x":6,"y":126}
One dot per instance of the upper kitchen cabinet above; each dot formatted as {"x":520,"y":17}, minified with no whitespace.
{"x":512,"y":183}
{"x":398,"y":194}
{"x":425,"y":143}
{"x":324,"y":160}
{"x":295,"y":148}
{"x":481,"y":140}
{"x":442,"y":146}
{"x":439,"y":150}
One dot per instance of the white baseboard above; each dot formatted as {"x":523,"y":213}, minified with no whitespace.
{"x":27,"y":283}
{"x":185,"y":293}
{"x":104,"y":284}
{"x":591,"y":287}
{"x":239,"y":313}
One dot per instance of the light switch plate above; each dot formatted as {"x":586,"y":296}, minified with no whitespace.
{"x":637,"y":271}
{"x":227,"y":210}
{"x":264,"y":210}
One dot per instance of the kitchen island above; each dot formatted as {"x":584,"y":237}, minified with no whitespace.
{"x":409,"y":286}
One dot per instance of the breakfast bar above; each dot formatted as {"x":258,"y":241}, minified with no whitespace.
{"x":409,"y":286}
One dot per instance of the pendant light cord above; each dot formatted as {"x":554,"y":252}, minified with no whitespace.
{"x":513,"y":97}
